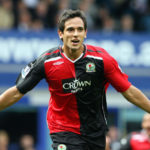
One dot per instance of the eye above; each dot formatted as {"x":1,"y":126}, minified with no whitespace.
{"x":80,"y":29}
{"x":70,"y":29}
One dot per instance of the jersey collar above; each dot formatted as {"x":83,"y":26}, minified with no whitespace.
{"x":73,"y":61}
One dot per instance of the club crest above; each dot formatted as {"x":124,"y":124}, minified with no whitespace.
{"x":62,"y":147}
{"x":90,"y":67}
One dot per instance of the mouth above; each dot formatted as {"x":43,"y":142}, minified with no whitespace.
{"x":75,"y":41}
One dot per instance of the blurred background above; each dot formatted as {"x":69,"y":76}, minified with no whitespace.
{"x":29,"y":27}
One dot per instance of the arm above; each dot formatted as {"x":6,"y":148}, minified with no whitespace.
{"x":29,"y":77}
{"x":135,"y":96}
{"x":119,"y":81}
{"x":9,"y":97}
{"x":107,"y":147}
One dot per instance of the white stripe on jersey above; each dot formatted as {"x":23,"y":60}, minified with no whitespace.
{"x":90,"y":56}
{"x":73,"y":61}
{"x":53,"y":59}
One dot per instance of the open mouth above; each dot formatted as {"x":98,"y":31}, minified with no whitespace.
{"x":75,"y":42}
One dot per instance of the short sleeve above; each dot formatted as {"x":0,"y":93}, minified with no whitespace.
{"x":30,"y":76}
{"x":114,"y":75}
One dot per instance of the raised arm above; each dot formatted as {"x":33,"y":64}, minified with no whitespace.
{"x":9,"y":97}
{"x":135,"y":96}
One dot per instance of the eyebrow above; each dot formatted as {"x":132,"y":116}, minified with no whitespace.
{"x":80,"y":27}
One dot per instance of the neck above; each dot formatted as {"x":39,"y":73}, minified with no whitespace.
{"x":73,"y":53}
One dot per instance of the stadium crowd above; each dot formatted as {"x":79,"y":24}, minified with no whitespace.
{"x":102,"y":15}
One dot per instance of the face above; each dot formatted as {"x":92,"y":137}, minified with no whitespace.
{"x":73,"y":34}
{"x":146,"y":123}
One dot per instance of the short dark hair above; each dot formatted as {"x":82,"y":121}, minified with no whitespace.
{"x":69,"y":14}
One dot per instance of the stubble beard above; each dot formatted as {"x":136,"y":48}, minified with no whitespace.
{"x":75,"y":49}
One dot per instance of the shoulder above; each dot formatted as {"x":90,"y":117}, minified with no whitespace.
{"x":95,"y":49}
{"x":99,"y":52}
{"x":51,"y":53}
{"x":38,"y":63}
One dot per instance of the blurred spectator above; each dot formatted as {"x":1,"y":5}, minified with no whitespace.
{"x":89,"y":8}
{"x":27,"y":142}
{"x":4,"y":140}
{"x":63,"y":4}
{"x":138,"y":140}
{"x":31,"y":3}
{"x":41,"y":12}
{"x":114,"y":136}
{"x":37,"y":25}
{"x":52,"y":13}
{"x":25,"y":20}
{"x":21,"y":6}
{"x":104,"y":15}
{"x":146,"y":22}
{"x":121,"y":7}
{"x":108,"y":25}
{"x":127,"y":23}
{"x":6,"y":14}
{"x":73,"y":4}
{"x":141,"y":6}
{"x":145,"y":19}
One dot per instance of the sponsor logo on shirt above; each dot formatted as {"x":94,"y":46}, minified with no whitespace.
{"x":90,"y":67}
{"x":75,"y":85}
{"x":58,"y":63}
{"x":25,"y":71}
{"x":62,"y":147}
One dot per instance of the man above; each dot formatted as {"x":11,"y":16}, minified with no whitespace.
{"x":77,"y":76}
{"x":138,"y":140}
{"x":26,"y":142}
{"x":113,"y":134}
{"x":4,"y":140}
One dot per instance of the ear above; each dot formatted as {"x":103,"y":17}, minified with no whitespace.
{"x":60,"y":34}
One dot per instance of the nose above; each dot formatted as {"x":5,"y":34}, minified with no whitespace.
{"x":75,"y":32}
